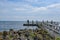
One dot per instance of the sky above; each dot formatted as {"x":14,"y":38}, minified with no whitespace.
{"x":22,"y":10}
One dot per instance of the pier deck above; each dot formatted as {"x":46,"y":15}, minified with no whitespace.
{"x":43,"y":27}
{"x":30,"y":25}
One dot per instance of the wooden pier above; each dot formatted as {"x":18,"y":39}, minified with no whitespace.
{"x":30,"y":25}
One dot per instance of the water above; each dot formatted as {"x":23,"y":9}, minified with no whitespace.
{"x":16,"y":25}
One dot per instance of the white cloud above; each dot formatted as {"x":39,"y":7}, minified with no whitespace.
{"x":54,"y":5}
{"x":39,"y":9}
{"x":53,"y":8}
{"x":26,"y":8}
{"x":28,"y":11}
{"x":19,"y":9}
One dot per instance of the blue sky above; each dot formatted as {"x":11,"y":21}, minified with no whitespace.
{"x":21,"y":10}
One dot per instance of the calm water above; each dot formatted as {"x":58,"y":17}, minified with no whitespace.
{"x":16,"y":25}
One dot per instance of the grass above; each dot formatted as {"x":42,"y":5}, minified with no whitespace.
{"x":57,"y":38}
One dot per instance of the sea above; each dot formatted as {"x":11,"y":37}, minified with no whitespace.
{"x":16,"y":25}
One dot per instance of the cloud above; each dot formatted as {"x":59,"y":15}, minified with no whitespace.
{"x":21,"y":10}
{"x":22,"y":18}
{"x":25,"y":8}
{"x":50,"y":9}
{"x":54,"y":5}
